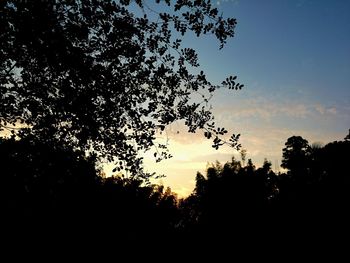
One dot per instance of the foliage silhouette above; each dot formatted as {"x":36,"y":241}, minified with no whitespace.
{"x":306,"y":205}
{"x":295,"y":155}
{"x":53,"y":197}
{"x":56,"y":194}
{"x":40,"y":178}
{"x":106,"y":76}
{"x":228,"y":200}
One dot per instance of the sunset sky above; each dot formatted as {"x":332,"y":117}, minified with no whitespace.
{"x":294,"y":59}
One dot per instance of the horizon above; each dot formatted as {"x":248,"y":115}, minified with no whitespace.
{"x":249,"y":123}
{"x":294,"y":60}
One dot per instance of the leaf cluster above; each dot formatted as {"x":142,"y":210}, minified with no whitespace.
{"x":102,"y":77}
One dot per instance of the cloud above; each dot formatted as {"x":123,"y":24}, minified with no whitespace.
{"x":332,"y":110}
{"x":319,"y":108}
{"x":325,"y":110}
{"x":267,"y":109}
{"x":264,"y":123}
{"x":241,"y":113}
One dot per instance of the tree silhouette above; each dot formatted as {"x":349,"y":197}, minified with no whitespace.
{"x":54,"y":193}
{"x":43,"y":178}
{"x":347,"y":137}
{"x":295,"y":155}
{"x":230,"y":199}
{"x":53,"y":197}
{"x":295,"y":186}
{"x":250,"y":168}
{"x":106,"y":76}
{"x":259,"y":210}
{"x":334,"y":172}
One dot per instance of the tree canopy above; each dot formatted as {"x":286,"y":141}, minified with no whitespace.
{"x":295,"y":155}
{"x":106,"y":76}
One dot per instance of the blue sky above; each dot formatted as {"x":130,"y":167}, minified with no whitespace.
{"x":293,"y":56}
{"x":294,"y":59}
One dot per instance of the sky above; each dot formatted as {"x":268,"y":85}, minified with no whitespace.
{"x":294,"y":59}
{"x":293,"y":56}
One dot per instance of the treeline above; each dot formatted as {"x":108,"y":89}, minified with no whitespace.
{"x":307,"y":205}
{"x":56,"y":193}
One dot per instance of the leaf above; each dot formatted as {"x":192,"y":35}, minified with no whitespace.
{"x":100,"y":76}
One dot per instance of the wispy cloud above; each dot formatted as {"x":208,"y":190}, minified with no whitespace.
{"x":332,"y":110}
{"x":268,"y":108}
{"x":325,"y":110}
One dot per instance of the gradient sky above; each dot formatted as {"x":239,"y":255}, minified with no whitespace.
{"x":294,"y":59}
{"x":293,"y":56}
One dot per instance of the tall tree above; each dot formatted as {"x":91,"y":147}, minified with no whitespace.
{"x":105,"y":76}
{"x":296,"y":155}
